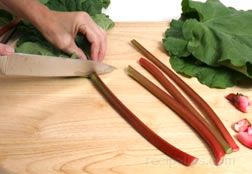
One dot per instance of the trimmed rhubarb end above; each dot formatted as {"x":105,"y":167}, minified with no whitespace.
{"x":194,"y":161}
{"x":229,"y":150}
{"x":220,"y":161}
{"x":240,"y":101}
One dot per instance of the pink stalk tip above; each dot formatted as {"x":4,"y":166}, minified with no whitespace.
{"x":220,"y":161}
{"x":245,"y":138}
{"x":240,"y":101}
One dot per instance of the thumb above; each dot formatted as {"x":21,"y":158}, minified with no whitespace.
{"x":74,"y":49}
{"x":6,"y":50}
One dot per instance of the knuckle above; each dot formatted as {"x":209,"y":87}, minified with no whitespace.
{"x":1,"y":48}
{"x":63,"y":44}
{"x":102,"y":34}
{"x":105,"y":36}
{"x":82,"y":16}
{"x":95,"y":44}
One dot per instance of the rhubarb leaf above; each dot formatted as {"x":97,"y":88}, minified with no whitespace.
{"x":43,"y":1}
{"x":217,"y":36}
{"x":31,"y":40}
{"x":92,"y":7}
{"x":215,"y":77}
{"x":103,"y":21}
{"x":42,"y":48}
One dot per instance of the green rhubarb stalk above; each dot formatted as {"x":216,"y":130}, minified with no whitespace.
{"x":140,"y":127}
{"x":186,"y":115}
{"x":202,"y":105}
{"x":157,"y":74}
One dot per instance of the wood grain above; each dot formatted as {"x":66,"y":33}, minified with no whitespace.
{"x":63,"y":125}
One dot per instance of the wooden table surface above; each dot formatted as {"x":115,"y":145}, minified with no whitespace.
{"x":63,"y":125}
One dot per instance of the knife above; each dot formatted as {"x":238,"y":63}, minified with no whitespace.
{"x":48,"y":66}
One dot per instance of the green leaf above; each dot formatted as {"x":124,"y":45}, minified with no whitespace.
{"x":43,"y":1}
{"x":205,"y":11}
{"x":105,"y":3}
{"x":215,"y":35}
{"x":174,"y":41}
{"x":103,"y":21}
{"x":214,"y":77}
{"x":39,"y":49}
{"x":92,"y":7}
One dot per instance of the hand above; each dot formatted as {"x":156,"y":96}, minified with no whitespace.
{"x":62,"y":27}
{"x":5,"y":50}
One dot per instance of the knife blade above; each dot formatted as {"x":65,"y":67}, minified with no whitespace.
{"x":49,"y":66}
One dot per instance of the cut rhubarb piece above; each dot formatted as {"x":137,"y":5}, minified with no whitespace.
{"x":240,"y":101}
{"x":250,"y":130}
{"x":241,"y":126}
{"x":140,"y":127}
{"x":245,"y":138}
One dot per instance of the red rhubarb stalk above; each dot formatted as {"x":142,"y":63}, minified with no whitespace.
{"x":202,"y":105}
{"x":9,"y":26}
{"x":186,"y":115}
{"x":157,"y":74}
{"x":140,"y":127}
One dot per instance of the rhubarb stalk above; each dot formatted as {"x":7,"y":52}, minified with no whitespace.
{"x":9,"y":26}
{"x":157,"y":74}
{"x":202,"y":105}
{"x":186,"y":115}
{"x":140,"y":127}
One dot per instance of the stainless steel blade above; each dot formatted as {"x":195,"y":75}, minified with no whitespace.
{"x":48,"y":66}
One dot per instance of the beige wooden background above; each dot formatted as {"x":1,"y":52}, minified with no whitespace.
{"x":64,"y":126}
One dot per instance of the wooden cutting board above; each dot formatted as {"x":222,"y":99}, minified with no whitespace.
{"x":65,"y":126}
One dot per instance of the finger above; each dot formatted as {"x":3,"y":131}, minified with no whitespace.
{"x":81,"y":54}
{"x":6,"y":50}
{"x":93,"y":37}
{"x":103,"y":45}
{"x":95,"y":50}
{"x":74,"y":49}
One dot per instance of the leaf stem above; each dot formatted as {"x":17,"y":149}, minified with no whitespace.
{"x":202,"y":105}
{"x":140,"y":127}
